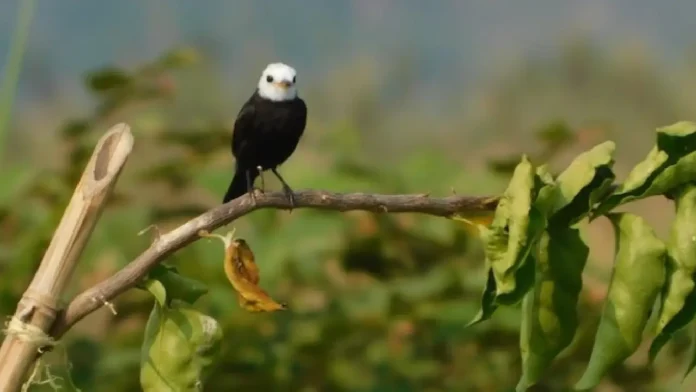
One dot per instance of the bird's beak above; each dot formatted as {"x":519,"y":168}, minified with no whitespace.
{"x":284,"y":84}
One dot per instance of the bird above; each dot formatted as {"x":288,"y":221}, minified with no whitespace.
{"x":267,"y":130}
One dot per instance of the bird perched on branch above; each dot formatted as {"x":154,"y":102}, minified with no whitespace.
{"x":267,"y":130}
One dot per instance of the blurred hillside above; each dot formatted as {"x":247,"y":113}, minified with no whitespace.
{"x":402,"y":98}
{"x":438,"y":63}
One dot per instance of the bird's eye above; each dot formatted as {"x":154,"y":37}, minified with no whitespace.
{"x":294,"y":79}
{"x":269,"y":79}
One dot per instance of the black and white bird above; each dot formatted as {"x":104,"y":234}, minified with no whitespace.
{"x":267,"y":130}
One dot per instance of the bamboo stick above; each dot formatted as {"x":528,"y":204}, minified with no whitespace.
{"x":40,"y":303}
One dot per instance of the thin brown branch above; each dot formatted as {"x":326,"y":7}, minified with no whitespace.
{"x":187,"y":233}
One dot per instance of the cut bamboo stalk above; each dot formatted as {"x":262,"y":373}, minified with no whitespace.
{"x":40,"y":303}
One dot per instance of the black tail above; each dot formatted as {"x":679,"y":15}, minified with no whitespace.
{"x":238,"y":186}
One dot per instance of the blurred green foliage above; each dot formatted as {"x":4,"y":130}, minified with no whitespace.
{"x":376,"y":303}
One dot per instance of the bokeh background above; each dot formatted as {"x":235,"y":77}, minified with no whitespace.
{"x":404,"y":96}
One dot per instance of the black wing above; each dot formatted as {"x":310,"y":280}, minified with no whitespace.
{"x":243,"y":127}
{"x":301,"y":110}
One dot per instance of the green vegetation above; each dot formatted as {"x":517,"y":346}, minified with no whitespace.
{"x":374,"y":302}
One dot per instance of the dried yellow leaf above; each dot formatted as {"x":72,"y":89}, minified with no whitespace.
{"x":242,"y":271}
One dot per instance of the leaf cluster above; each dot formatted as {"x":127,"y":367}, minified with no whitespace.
{"x":535,"y":254}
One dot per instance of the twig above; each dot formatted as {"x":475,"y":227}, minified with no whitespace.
{"x":38,"y":308}
{"x":168,"y":243}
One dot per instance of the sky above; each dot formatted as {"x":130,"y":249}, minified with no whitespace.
{"x":448,"y":41}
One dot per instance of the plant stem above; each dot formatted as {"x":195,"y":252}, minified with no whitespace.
{"x":13,"y":67}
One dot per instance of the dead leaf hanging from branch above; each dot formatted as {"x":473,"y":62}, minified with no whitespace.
{"x":243,"y":273}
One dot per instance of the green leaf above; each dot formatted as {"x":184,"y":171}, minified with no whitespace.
{"x":524,"y":278}
{"x":166,"y":284}
{"x":671,"y":163}
{"x":156,"y":288}
{"x":580,"y":186}
{"x":515,"y":228}
{"x":107,"y":79}
{"x":179,"y":347}
{"x":549,"y":312}
{"x":679,"y":301}
{"x":488,"y":304}
{"x":545,"y":176}
{"x":679,"y":321}
{"x":638,"y":275}
{"x":180,"y":343}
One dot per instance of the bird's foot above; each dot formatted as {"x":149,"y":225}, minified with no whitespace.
{"x":252,"y":194}
{"x":290,"y":195}
{"x":286,"y":188}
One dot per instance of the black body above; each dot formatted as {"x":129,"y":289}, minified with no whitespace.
{"x":265,"y":134}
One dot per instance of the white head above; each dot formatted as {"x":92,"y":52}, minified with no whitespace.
{"x":277,"y":82}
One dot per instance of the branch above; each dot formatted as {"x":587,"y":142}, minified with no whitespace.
{"x":166,"y":244}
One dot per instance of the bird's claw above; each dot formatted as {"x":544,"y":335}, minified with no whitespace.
{"x":252,"y":194}
{"x":290,"y":195}
{"x":286,"y":189}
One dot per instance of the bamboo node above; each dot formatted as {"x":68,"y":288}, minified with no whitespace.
{"x":41,"y":300}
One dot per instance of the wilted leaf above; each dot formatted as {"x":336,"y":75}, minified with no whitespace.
{"x":639,"y":272}
{"x":242,"y":272}
{"x":107,"y":79}
{"x":515,"y":227}
{"x":679,"y":300}
{"x":671,"y":163}
{"x":179,"y":347}
{"x":581,"y":185}
{"x":549,"y":315}
{"x":524,"y":278}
